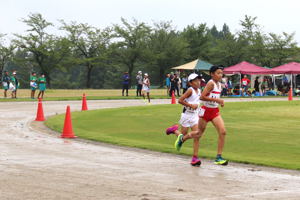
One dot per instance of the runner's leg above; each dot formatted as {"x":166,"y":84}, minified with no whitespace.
{"x":196,"y":142}
{"x":197,"y":133}
{"x":219,"y":125}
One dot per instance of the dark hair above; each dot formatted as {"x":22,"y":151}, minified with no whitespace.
{"x":215,"y":68}
{"x":33,"y":73}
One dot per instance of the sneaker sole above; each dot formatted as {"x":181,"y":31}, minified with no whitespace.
{"x":197,"y":164}
{"x":171,"y":132}
{"x":224,"y":164}
{"x":176,"y":142}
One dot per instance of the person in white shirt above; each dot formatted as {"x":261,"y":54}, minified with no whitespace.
{"x":146,"y":87}
{"x":189,"y":117}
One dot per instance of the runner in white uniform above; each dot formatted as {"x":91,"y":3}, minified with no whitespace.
{"x":189,"y":117}
{"x":146,"y":87}
{"x":210,"y":112}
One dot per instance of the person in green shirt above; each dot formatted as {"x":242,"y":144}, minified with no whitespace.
{"x":5,"y":82}
{"x":33,"y":84}
{"x":14,"y":85}
{"x":42,"y":85}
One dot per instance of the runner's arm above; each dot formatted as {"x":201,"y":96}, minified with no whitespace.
{"x":182,"y":101}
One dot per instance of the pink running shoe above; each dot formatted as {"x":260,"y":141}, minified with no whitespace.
{"x":196,"y":162}
{"x":172,"y":129}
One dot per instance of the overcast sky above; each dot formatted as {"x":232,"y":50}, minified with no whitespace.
{"x":274,"y":15}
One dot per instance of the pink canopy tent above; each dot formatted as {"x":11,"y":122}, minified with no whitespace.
{"x":289,"y":68}
{"x":246,"y":68}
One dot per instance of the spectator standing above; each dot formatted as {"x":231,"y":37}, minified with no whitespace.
{"x":184,"y":82}
{"x":5,"y":83}
{"x":139,"y":80}
{"x":179,"y":84}
{"x":256,"y":84}
{"x":33,"y":84}
{"x":264,"y":86}
{"x":229,"y":86}
{"x":42,"y":85}
{"x":224,"y":86}
{"x":285,"y":80}
{"x":168,"y":83}
{"x":176,"y":84}
{"x":173,"y":83}
{"x":245,"y":85}
{"x":14,"y":85}
{"x":270,"y":83}
{"x":146,"y":87}
{"x":126,"y":79}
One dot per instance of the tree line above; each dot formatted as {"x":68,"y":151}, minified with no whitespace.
{"x":83,"y":56}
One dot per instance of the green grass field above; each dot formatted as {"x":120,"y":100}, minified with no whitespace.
{"x":92,"y":94}
{"x":76,"y":94}
{"x":263,"y":133}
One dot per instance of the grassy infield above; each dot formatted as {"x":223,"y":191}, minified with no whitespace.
{"x":264,"y":133}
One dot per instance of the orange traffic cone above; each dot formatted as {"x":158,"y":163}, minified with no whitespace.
{"x":290,"y":95}
{"x":173,"y":101}
{"x":68,"y":130}
{"x":40,"y":112}
{"x":84,"y":104}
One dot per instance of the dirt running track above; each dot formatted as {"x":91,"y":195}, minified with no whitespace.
{"x":35,"y":165}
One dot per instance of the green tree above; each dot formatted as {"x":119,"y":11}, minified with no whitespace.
{"x":255,"y":41}
{"x":282,"y":48}
{"x":229,"y":50}
{"x":132,"y":40}
{"x":45,"y":51}
{"x":199,"y":41}
{"x":6,"y":54}
{"x":89,"y":45}
{"x":167,"y":48}
{"x":225,"y":30}
{"x":215,"y":33}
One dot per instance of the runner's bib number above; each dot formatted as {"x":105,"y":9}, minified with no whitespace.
{"x":201,"y":112}
{"x":214,"y":96}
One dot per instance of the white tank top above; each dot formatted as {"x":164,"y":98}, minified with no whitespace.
{"x":215,"y":93}
{"x":145,"y":82}
{"x":193,"y":99}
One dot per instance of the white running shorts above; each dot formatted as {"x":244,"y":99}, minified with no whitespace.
{"x":189,"y":119}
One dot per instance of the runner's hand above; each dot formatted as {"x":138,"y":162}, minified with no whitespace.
{"x":221,"y":102}
{"x":194,"y":106}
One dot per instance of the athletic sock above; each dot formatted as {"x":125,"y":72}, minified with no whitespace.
{"x":219,"y":155}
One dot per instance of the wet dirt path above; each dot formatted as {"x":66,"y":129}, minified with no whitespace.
{"x":35,"y":166}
